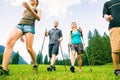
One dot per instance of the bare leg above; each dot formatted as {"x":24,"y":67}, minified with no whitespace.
{"x":115,"y":58}
{"x":79,"y":61}
{"x":73,"y":58}
{"x":13,"y":37}
{"x":53,"y":59}
{"x":29,"y":41}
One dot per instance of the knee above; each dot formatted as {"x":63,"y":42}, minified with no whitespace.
{"x":79,"y":56}
{"x":10,"y":43}
{"x":29,"y":49}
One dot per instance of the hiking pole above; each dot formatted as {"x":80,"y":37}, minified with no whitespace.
{"x":62,"y":56}
{"x":87,"y":55}
{"x":43,"y":42}
{"x":69,"y":51}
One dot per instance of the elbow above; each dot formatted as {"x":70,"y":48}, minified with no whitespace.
{"x":38,"y":19}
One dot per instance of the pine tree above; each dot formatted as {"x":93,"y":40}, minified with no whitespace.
{"x":46,"y":60}
{"x":1,"y":57}
{"x":99,"y":49}
{"x":15,"y":59}
{"x":40,"y":58}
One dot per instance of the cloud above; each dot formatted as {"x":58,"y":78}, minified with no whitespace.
{"x":58,"y":7}
{"x":16,"y":2}
{"x":93,"y":1}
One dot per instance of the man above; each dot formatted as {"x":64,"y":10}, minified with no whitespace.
{"x":55,"y":37}
{"x":111,"y":12}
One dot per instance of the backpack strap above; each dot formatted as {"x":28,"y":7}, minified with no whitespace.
{"x":78,"y":31}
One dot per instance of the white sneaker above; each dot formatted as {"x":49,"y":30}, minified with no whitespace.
{"x":79,"y":70}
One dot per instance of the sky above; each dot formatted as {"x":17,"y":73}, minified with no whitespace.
{"x":86,"y":13}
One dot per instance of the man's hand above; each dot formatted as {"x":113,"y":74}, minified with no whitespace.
{"x":60,"y":39}
{"x":108,"y":17}
{"x":46,"y":33}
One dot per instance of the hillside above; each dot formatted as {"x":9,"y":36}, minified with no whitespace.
{"x":21,"y":60}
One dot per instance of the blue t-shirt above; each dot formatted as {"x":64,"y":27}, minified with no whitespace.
{"x":76,"y":37}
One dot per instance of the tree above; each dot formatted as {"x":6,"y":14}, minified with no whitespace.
{"x":107,"y":48}
{"x":1,"y":57}
{"x":46,"y":60}
{"x":40,"y":58}
{"x":15,"y":59}
{"x":89,"y":36}
{"x":99,"y":49}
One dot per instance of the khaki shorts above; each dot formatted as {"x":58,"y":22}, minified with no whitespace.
{"x":115,"y":39}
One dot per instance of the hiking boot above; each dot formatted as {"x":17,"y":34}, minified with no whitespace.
{"x":72,"y":69}
{"x":51,"y":68}
{"x":4,"y":72}
{"x":117,"y":72}
{"x":35,"y":67}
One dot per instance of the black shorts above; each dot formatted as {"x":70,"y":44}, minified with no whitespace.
{"x":77,"y":47}
{"x":53,"y":49}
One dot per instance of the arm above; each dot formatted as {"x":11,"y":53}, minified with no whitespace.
{"x":46,"y":33}
{"x":81,"y":32}
{"x":70,"y":39}
{"x":61,"y":38}
{"x":36,"y":15}
{"x":106,"y":13}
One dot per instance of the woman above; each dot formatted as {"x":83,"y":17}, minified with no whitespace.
{"x":76,"y":46}
{"x":25,"y":27}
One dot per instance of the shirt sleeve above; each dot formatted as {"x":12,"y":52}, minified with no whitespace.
{"x":106,"y":9}
{"x":49,"y":32}
{"x":60,"y":34}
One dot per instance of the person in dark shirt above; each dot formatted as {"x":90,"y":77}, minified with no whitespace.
{"x":111,"y":13}
{"x":55,"y":37}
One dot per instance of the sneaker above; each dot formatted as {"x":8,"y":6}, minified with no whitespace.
{"x":35,"y":67}
{"x":79,"y":70}
{"x":51,"y":68}
{"x":72,"y":69}
{"x":54,"y":68}
{"x":117,"y":72}
{"x":4,"y":72}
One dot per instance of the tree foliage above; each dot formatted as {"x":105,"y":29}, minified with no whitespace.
{"x":46,"y":60}
{"x":40,"y":58}
{"x":15,"y":59}
{"x":1,"y":57}
{"x":98,"y":49}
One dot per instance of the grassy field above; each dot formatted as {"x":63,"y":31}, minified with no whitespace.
{"x":24,"y":72}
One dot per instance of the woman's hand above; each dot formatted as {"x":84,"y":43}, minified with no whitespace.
{"x":22,"y":39}
{"x":26,"y":5}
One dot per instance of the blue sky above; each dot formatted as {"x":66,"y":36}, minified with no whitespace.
{"x":87,"y":14}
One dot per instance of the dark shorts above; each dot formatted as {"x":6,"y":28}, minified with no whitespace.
{"x":26,"y":28}
{"x":77,"y":47}
{"x":53,"y":49}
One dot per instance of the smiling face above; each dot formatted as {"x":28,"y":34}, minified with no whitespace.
{"x":34,"y":2}
{"x":74,"y":25}
{"x":56,"y":24}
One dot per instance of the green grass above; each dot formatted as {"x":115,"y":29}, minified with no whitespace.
{"x":24,"y":72}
